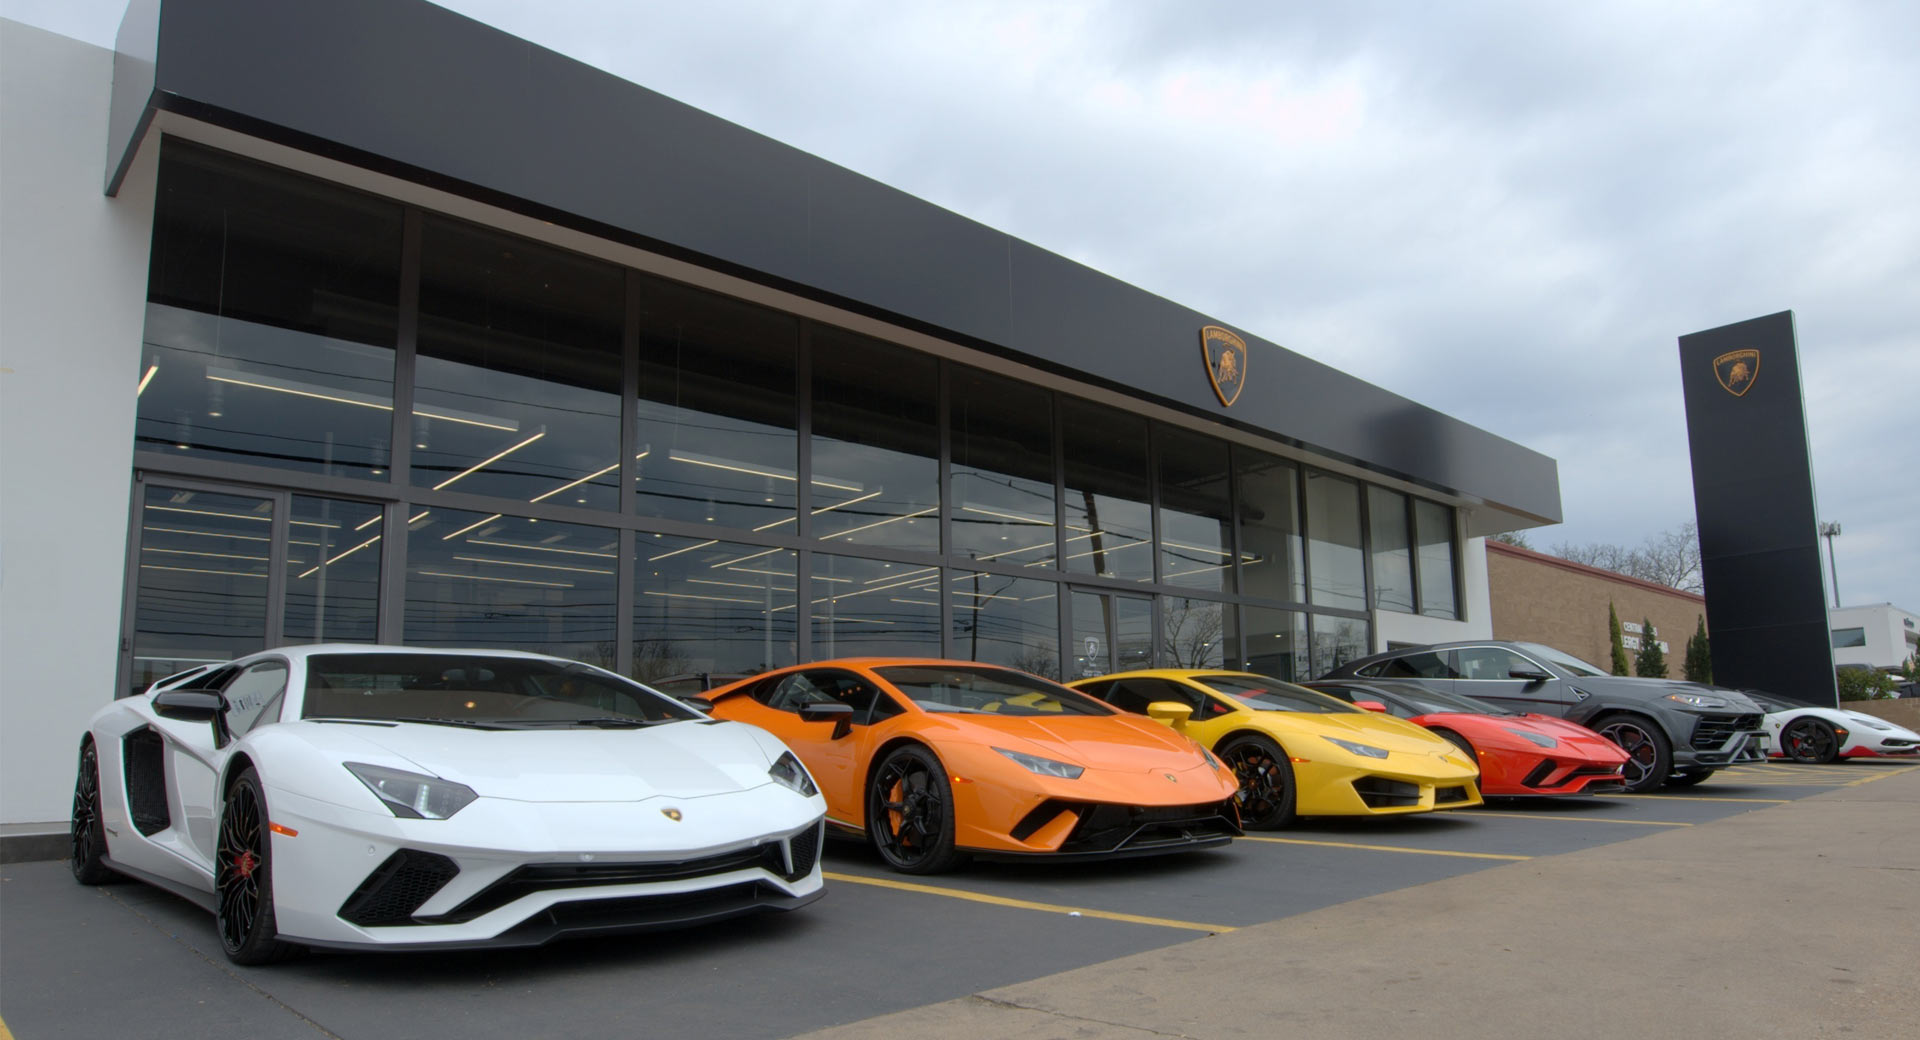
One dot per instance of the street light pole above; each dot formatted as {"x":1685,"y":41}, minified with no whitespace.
{"x":1827,"y":531}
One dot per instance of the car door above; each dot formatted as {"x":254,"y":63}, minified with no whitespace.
{"x":197,"y":754}
{"x":836,"y":759}
{"x":1488,"y":672}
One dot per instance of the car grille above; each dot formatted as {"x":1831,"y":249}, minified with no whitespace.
{"x":1545,"y":770}
{"x":1449,"y":795}
{"x":398,"y":887}
{"x":1711,"y":732}
{"x":1123,"y":828}
{"x":1380,"y":793}
{"x":803,"y":850}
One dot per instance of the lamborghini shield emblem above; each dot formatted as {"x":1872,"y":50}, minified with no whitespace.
{"x":1226,"y":357}
{"x":671,"y":814}
{"x":1736,"y":370}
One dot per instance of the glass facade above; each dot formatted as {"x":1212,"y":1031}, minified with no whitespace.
{"x":389,"y":425}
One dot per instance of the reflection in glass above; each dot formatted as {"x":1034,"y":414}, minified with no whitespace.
{"x":875,"y":427}
{"x":1111,"y":633}
{"x":517,"y":387}
{"x":1336,"y":640}
{"x":1002,"y":443}
{"x":201,"y":594}
{"x":861,"y":607}
{"x":1270,"y":564}
{"x":717,"y":413}
{"x":701,"y":605}
{"x":1109,"y":522}
{"x":271,"y":318}
{"x":1333,"y":541}
{"x":517,"y":583}
{"x":1276,"y":643}
{"x":333,"y":571}
{"x":1392,"y":550}
{"x":1196,"y":546}
{"x":1435,"y":524}
{"x":1195,"y":633}
{"x":1009,"y":621}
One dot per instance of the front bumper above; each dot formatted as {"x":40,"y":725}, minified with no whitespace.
{"x":521,"y":874}
{"x":1720,"y":739}
{"x":1402,"y":783}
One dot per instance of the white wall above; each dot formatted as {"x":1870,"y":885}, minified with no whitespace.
{"x":73,"y":282}
{"x":1476,"y":602}
{"x":1890,"y":632}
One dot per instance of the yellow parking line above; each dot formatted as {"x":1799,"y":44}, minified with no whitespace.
{"x":1880,"y":776}
{"x":1521,"y":815}
{"x":1386,"y":848}
{"x":1018,"y":904}
{"x":1697,"y":798}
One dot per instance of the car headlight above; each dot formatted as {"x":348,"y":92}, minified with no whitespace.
{"x":1538,"y":738}
{"x":1044,"y":766}
{"x":1696,"y":700}
{"x":414,"y":796}
{"x":1208,"y":755}
{"x":790,"y":774}
{"x":1363,"y":750}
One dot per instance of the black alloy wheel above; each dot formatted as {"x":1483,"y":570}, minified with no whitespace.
{"x":1809,"y":739}
{"x":87,"y":835}
{"x":1649,"y":757}
{"x":1266,"y":795}
{"x":910,"y":812}
{"x":243,"y":878}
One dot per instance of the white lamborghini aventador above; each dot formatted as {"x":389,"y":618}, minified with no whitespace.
{"x":365,"y":797}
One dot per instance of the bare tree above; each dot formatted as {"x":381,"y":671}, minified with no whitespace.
{"x":1670,"y":558}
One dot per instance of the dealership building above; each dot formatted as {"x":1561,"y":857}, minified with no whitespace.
{"x":363,"y":321}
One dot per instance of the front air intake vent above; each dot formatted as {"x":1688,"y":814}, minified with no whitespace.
{"x":398,"y":887}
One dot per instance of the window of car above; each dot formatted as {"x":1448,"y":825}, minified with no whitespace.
{"x":1263,"y":694}
{"x":795,"y":690}
{"x":989,"y":690}
{"x":1561,"y":659}
{"x":251,"y":691}
{"x":1427,"y":664}
{"x":1489,"y":663}
{"x":480,"y":690}
{"x":1135,"y":694}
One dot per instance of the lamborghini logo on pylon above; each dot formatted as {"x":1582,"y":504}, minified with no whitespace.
{"x":1226,"y":357}
{"x":1736,"y":370}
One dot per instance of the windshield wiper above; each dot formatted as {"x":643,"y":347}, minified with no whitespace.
{"x":442,"y":721}
{"x":598,"y":722}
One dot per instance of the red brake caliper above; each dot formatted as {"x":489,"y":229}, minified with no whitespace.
{"x":245,"y":863}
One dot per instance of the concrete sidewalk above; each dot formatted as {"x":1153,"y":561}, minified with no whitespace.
{"x":1800,"y":920}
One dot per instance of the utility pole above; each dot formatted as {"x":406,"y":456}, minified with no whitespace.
{"x":1827,"y":531}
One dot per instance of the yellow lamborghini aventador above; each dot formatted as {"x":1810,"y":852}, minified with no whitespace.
{"x":1297,"y":752}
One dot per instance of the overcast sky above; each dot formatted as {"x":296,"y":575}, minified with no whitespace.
{"x":1507,"y":211}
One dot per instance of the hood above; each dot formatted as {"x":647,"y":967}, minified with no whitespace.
{"x":681,"y":760}
{"x":1382,"y":731}
{"x":1123,"y":743}
{"x":1635,"y":688}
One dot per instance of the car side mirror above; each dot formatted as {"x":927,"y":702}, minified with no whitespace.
{"x":195,"y":706}
{"x":1529,"y":675}
{"x":841,"y":715}
{"x":1370,"y":705}
{"x":1172,"y":713}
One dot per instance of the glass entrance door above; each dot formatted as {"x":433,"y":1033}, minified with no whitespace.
{"x":1111,"y":633}
{"x":217,"y":572}
{"x":202,"y":579}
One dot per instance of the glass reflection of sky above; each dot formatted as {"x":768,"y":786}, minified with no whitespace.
{"x":702,"y":605}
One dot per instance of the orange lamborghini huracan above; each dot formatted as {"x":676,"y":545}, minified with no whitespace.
{"x":935,"y":760}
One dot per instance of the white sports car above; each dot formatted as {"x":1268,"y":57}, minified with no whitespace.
{"x":369,"y":797}
{"x":1809,"y":734}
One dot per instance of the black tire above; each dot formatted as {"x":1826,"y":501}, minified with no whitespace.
{"x":243,"y":877}
{"x":87,"y":834}
{"x":1460,"y":742}
{"x":1649,"y":755}
{"x":910,"y":812}
{"x":1267,"y":791}
{"x":1810,"y":739}
{"x":1690,"y":777}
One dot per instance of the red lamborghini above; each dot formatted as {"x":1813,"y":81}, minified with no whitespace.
{"x":1518,"y":754}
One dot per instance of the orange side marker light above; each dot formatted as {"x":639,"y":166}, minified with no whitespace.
{"x":280,"y":829}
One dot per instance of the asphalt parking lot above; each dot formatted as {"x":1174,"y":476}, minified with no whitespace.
{"x":879,"y":943}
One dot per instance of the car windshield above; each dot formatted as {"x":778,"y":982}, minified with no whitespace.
{"x":1428,"y":702}
{"x":478,"y":690}
{"x":1263,"y":694}
{"x":1564,"y":660}
{"x":1768,"y":704}
{"x":987,"y":690}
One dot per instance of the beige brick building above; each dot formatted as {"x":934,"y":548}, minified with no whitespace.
{"x":1545,"y":599}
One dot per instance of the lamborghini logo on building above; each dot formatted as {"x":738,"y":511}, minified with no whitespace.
{"x":1226,"y":357}
{"x":1736,"y":371}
